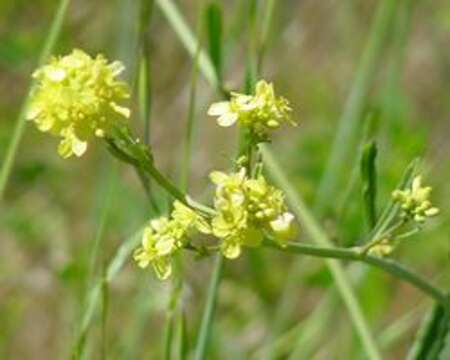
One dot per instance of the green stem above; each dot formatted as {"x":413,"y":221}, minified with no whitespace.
{"x":354,"y":254}
{"x":164,"y":182}
{"x":341,"y":278}
{"x":318,"y":235}
{"x":19,"y":129}
{"x":168,"y":336}
{"x":207,"y":318}
{"x":388,"y":234}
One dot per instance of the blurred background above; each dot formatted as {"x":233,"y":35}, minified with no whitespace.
{"x":54,"y":211}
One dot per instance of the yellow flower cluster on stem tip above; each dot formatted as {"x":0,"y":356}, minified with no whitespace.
{"x":164,"y":236}
{"x":77,"y":97}
{"x":246,"y":208}
{"x":415,"y":202}
{"x":382,"y":248}
{"x":260,"y":112}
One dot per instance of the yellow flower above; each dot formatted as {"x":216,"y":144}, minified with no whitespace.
{"x":158,"y":245}
{"x":246,"y":208}
{"x":268,"y":209}
{"x":260,"y":112}
{"x":415,"y":202}
{"x":282,"y":227}
{"x":163,"y":237}
{"x":77,"y":97}
{"x":188,"y":218}
{"x":382,"y":249}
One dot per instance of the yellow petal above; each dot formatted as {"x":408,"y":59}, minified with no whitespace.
{"x":227,"y":119}
{"x":231,"y":249}
{"x":163,"y":268}
{"x":79,"y":147}
{"x":124,"y":111}
{"x":218,"y":177}
{"x":219,"y":108}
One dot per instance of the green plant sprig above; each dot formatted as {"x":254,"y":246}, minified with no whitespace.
{"x":354,"y":254}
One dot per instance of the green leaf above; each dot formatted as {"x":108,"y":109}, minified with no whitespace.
{"x":214,"y":23}
{"x":369,"y":181}
{"x":433,"y":337}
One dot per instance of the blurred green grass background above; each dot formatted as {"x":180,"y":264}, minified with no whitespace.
{"x":53,"y":210}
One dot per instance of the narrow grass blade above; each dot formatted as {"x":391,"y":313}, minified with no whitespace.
{"x":145,"y":94}
{"x":265,"y":32}
{"x":144,"y":81}
{"x":94,"y":296}
{"x":214,"y":22}
{"x":432,"y":336}
{"x":369,"y":181}
{"x":315,"y":232}
{"x":175,"y":19}
{"x":209,"y":309}
{"x":391,"y":94}
{"x":191,"y":123}
{"x":349,"y":123}
{"x":19,"y":129}
{"x":104,"y":314}
{"x":182,"y":337}
{"x":168,"y":336}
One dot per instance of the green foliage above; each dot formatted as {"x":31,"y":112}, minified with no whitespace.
{"x":68,"y":282}
{"x":432,"y":339}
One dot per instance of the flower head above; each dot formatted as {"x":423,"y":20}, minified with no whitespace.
{"x":415,"y":202}
{"x":246,"y":208}
{"x":260,"y":112}
{"x":77,"y":97}
{"x":163,"y":237}
{"x":382,"y":249}
{"x":159,"y":242}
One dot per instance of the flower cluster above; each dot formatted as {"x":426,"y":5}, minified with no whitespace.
{"x":245,"y":208}
{"x":77,"y":97}
{"x":164,"y":236}
{"x":415,"y":202}
{"x":382,"y":249}
{"x":260,"y":112}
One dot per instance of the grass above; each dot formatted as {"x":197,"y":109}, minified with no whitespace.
{"x":67,"y":262}
{"x":19,"y":129}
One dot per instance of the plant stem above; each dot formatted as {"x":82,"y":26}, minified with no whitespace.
{"x":318,"y":235}
{"x":341,"y":278}
{"x":168,"y":336}
{"x":50,"y":42}
{"x":207,"y":318}
{"x":387,"y":235}
{"x":354,"y":254}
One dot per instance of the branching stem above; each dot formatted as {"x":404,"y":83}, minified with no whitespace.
{"x":354,"y":254}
